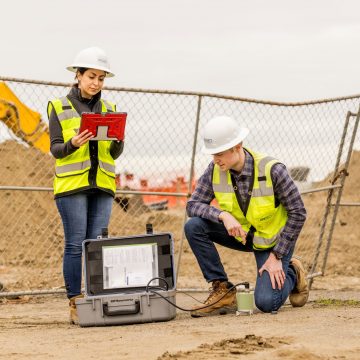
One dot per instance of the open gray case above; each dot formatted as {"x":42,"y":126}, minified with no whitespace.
{"x":117,"y":272}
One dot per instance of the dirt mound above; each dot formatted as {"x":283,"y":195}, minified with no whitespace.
{"x":25,"y":166}
{"x":227,"y":348}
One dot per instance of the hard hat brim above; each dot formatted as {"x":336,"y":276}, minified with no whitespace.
{"x":212,"y":151}
{"x":74,"y":67}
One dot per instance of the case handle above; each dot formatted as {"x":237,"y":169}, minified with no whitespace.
{"x":133,"y":311}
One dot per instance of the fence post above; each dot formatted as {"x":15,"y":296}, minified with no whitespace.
{"x":191,"y":177}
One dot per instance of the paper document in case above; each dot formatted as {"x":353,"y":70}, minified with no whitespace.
{"x":129,"y":265}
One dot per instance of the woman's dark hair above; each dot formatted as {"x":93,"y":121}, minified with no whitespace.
{"x":81,"y":70}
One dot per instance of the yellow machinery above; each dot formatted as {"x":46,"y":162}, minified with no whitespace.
{"x":24,"y":122}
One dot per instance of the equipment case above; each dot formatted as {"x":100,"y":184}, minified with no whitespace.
{"x":129,"y":298}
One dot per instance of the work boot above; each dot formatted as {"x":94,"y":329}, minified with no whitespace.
{"x":224,"y":303}
{"x":300,"y":294}
{"x":74,"y":318}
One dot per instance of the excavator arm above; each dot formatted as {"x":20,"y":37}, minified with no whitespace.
{"x":22,"y":121}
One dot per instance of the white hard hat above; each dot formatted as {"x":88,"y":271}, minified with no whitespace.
{"x":222,"y":133}
{"x":91,"y":58}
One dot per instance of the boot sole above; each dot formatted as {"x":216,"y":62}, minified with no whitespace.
{"x":221,"y":311}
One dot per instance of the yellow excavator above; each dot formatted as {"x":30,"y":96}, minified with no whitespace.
{"x":23,"y":122}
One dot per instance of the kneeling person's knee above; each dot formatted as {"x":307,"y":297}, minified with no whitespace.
{"x":192,"y":225}
{"x":265,"y":302}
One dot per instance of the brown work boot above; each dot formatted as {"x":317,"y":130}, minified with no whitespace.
{"x":74,"y":318}
{"x":225,"y":301}
{"x":300,"y":294}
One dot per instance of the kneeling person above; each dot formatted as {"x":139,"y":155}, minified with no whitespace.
{"x":261,"y":211}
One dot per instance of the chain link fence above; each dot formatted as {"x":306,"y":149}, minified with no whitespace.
{"x":158,"y":170}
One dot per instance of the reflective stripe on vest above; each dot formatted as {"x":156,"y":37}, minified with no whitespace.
{"x":72,"y":172}
{"x":68,"y":112}
{"x":261,"y":213}
{"x":62,"y":169}
{"x":107,"y":167}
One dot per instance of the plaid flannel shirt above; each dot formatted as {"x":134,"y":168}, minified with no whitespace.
{"x":285,"y":190}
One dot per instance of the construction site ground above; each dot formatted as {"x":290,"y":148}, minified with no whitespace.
{"x":328,"y":327}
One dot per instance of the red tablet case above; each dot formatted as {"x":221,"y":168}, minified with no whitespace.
{"x":98,"y":122}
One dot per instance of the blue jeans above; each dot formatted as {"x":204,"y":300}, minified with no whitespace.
{"x":202,"y":234}
{"x":83,"y":216}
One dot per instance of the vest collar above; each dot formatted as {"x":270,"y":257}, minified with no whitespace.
{"x":75,"y":93}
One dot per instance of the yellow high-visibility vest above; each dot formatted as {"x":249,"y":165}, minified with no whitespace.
{"x":262,"y":214}
{"x":72,"y":172}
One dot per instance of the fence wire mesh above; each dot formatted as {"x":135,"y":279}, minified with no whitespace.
{"x":162,"y":155}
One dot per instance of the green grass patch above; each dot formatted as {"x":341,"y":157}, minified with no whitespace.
{"x":337,"y":302}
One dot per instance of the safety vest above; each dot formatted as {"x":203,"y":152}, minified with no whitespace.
{"x":262,"y":214}
{"x":72,"y":171}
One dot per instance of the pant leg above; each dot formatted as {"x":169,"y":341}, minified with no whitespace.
{"x":99,"y":211}
{"x":73,"y":212}
{"x":201,"y":235}
{"x":268,"y":299}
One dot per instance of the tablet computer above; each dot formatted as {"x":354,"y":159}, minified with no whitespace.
{"x":104,"y":126}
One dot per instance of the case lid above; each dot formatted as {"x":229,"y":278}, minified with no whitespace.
{"x":127,"y":264}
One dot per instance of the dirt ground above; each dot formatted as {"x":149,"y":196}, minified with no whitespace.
{"x":328,"y":327}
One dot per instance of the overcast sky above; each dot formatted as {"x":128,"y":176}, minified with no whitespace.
{"x":274,"y":50}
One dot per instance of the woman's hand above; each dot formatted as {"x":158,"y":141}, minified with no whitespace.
{"x":274,"y":267}
{"x":82,"y":138}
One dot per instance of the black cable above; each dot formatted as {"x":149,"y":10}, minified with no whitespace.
{"x":149,"y":289}
{"x":158,"y":287}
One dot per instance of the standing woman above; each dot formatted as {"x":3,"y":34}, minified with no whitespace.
{"x":84,"y":183}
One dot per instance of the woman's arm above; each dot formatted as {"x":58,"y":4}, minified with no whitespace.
{"x":116,"y":149}
{"x":58,"y":148}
